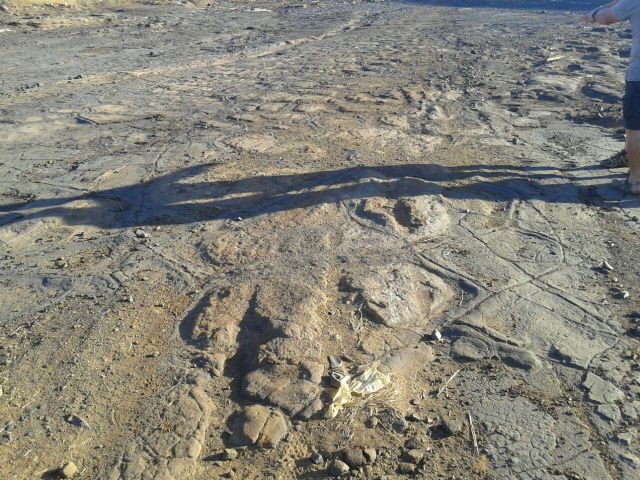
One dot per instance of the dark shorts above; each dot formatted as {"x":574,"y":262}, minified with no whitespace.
{"x":631,"y":106}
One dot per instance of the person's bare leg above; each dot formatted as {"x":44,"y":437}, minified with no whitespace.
{"x":633,"y":153}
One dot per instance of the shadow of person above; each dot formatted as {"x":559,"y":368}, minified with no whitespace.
{"x":565,"y":5}
{"x":182,"y":197}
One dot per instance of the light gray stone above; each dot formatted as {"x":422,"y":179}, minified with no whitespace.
{"x":338,"y":468}
{"x":601,"y":391}
{"x":609,"y":412}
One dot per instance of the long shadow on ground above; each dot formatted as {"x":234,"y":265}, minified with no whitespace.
{"x":569,"y":5}
{"x":181,"y":197}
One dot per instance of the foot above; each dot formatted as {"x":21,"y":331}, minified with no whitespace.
{"x":619,"y":160}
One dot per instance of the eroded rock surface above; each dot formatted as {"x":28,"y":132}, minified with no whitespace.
{"x":400,"y":295}
{"x":172,"y":446}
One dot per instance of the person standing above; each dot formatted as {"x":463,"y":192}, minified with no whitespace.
{"x":614,"y":12}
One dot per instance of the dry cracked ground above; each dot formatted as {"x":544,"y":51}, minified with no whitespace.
{"x":205,"y":213}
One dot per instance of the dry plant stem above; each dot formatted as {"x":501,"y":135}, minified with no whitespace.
{"x":474,"y":439}
{"x":447,"y":383}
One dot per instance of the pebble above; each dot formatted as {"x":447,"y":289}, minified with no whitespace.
{"x":316,"y":458}
{"x":606,"y":266}
{"x":400,"y":425}
{"x":77,"y":421}
{"x":414,"y":456}
{"x":338,"y":468}
{"x":230,"y":454}
{"x":370,"y":454}
{"x":414,"y":417}
{"x":406,"y":468}
{"x":69,"y":470}
{"x":451,"y":426}
{"x":354,"y":457}
{"x":141,"y":233}
{"x":373,"y":422}
{"x":413,"y":443}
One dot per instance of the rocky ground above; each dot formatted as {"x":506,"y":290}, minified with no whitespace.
{"x":208,"y":214}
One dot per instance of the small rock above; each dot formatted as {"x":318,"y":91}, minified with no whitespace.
{"x":141,"y":233}
{"x":406,"y":468}
{"x":230,"y":454}
{"x":625,"y":294}
{"x":77,"y":421}
{"x":354,"y":457}
{"x":9,"y":427}
{"x":625,"y":438}
{"x":414,"y":443}
{"x":609,"y":412}
{"x":414,"y":417}
{"x":127,"y":299}
{"x":606,"y":266}
{"x":335,"y":362}
{"x":414,"y":456}
{"x":316,"y":458}
{"x":4,"y":8}
{"x":451,"y":426}
{"x":68,"y":470}
{"x":400,"y":425}
{"x":436,"y":335}
{"x":338,"y":468}
{"x":601,"y":391}
{"x":370,"y":454}
{"x":373,"y":422}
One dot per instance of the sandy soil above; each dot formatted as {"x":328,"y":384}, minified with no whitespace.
{"x":204,"y":211}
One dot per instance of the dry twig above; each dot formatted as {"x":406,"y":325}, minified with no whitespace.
{"x":447,"y":383}
{"x":474,"y":439}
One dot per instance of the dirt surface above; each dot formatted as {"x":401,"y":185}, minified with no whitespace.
{"x":206,"y":214}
